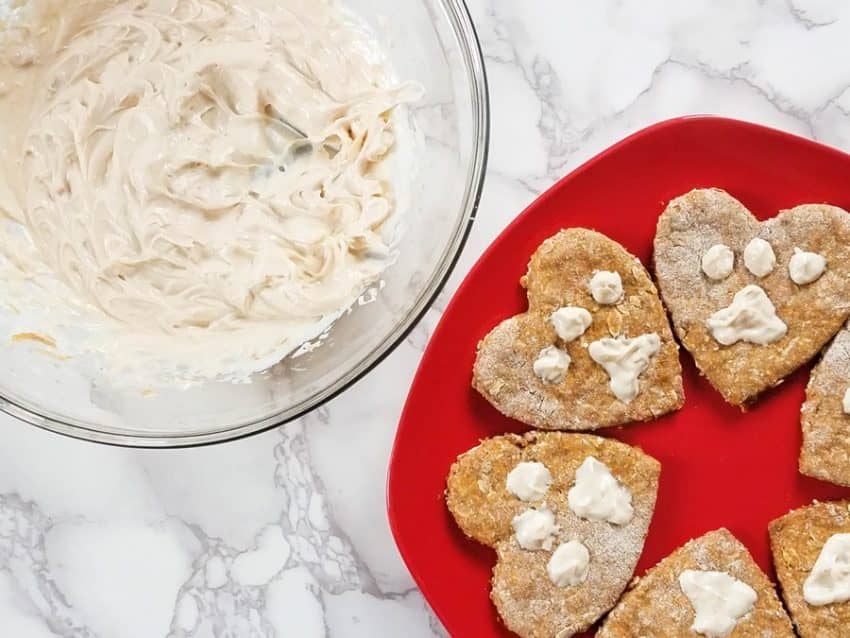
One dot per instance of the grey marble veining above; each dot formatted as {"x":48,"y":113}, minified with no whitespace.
{"x":285,"y":533}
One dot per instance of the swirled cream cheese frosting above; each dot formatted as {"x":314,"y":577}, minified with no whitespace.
{"x":151,"y":180}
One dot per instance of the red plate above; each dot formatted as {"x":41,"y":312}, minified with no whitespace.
{"x":720,"y":467}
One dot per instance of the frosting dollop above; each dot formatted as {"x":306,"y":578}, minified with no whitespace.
{"x":759,"y":257}
{"x":535,"y":528}
{"x":718,"y":261}
{"x":606,"y":287}
{"x":719,"y":601}
{"x":529,"y":480}
{"x":598,"y":496}
{"x":551,"y":364}
{"x":625,"y":360}
{"x":569,"y":564}
{"x":805,"y":267}
{"x":829,"y":580}
{"x":570,"y":322}
{"x":751,"y":317}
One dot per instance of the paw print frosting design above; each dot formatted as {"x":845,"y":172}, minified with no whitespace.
{"x":567,"y":515}
{"x":752,"y":301}
{"x":594,"y":349}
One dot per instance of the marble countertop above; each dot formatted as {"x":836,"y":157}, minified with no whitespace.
{"x":285,"y":533}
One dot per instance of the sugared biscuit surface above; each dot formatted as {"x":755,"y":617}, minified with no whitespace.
{"x":593,"y":350}
{"x":826,"y":415}
{"x":798,"y":540}
{"x":784,"y":297}
{"x":709,"y":587}
{"x":567,"y":515}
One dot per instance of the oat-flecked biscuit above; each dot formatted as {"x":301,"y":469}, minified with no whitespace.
{"x":558,"y":275}
{"x":656,"y":607}
{"x":522,"y":592}
{"x":814,"y":312}
{"x":826,"y":428}
{"x":796,"y":540}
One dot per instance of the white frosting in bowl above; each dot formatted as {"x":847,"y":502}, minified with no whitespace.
{"x":146,"y":172}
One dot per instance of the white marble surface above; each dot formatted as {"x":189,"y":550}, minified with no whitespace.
{"x":285,"y":534}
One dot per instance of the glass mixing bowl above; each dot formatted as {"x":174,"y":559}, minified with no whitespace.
{"x":432,"y":42}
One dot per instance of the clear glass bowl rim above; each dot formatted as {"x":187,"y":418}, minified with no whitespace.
{"x":461,"y":20}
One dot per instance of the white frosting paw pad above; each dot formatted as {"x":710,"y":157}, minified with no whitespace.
{"x":710,"y":587}
{"x":593,"y":350}
{"x":567,"y":515}
{"x":752,"y":301}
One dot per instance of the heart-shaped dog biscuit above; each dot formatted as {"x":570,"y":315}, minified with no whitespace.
{"x":709,"y":587}
{"x":593,"y":350}
{"x":751,"y":313}
{"x":826,"y":415}
{"x":561,"y":562}
{"x":800,"y":543}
